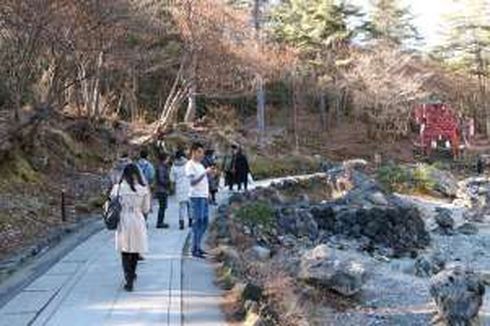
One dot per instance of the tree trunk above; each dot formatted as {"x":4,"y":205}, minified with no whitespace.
{"x":84,"y":88}
{"x":190,"y":113}
{"x":294,"y":118}
{"x":260,"y":108}
{"x":322,"y":106}
{"x":134,"y":96}
{"x":18,"y":105}
{"x":260,"y":81}
{"x":96,"y":90}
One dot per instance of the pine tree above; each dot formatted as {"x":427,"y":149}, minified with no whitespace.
{"x":312,"y":25}
{"x":391,"y":22}
{"x":467,"y":46}
{"x":320,"y":30}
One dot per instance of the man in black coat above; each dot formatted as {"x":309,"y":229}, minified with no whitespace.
{"x":241,"y":169}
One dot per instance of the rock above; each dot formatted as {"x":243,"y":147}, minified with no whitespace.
{"x":458,"y":294}
{"x":236,"y":198}
{"x":251,"y":306}
{"x":378,"y":198}
{"x":444,"y":220}
{"x":445,"y":182}
{"x":326,"y":165}
{"x":485,"y":277}
{"x":221,"y":226}
{"x":324,"y":216}
{"x":426,"y":266}
{"x":254,"y":319}
{"x":303,"y":199}
{"x":468,"y":229}
{"x":247,"y":230}
{"x":251,"y":292}
{"x":261,"y":253}
{"x":299,"y":222}
{"x":271,"y":195}
{"x":320,"y":269}
{"x":288,"y":241}
{"x":229,"y":256}
{"x":359,"y":164}
{"x":396,"y":227}
{"x":473,"y":216}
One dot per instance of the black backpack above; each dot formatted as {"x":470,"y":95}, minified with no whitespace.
{"x":112,"y":214}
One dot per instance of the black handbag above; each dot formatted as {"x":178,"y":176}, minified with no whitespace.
{"x":112,"y":214}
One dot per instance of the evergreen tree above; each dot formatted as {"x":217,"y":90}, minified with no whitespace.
{"x":467,"y":47}
{"x":312,"y":25}
{"x":391,"y":22}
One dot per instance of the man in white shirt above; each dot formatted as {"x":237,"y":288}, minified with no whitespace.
{"x":199,"y":196}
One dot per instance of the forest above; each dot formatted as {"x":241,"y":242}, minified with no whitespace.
{"x":162,"y":62}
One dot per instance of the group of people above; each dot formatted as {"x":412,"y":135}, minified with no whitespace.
{"x":196,"y":182}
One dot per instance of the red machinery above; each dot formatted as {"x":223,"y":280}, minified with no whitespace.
{"x":438,"y":122}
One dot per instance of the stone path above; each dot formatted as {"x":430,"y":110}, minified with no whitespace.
{"x":85,"y":286}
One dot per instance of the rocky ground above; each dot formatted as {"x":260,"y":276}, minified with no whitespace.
{"x":356,"y":254}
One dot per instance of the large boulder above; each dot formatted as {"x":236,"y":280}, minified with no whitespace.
{"x":400,"y":228}
{"x":261,"y":253}
{"x":299,"y":222}
{"x":468,"y":228}
{"x":444,"y":220}
{"x":343,"y":276}
{"x":458,"y":293}
{"x":444,"y":182}
{"x":428,"y":265}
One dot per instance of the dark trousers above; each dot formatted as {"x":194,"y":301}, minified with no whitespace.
{"x":213,"y":195}
{"x":243,"y":181}
{"x":229,"y":179}
{"x":129,"y":264}
{"x":162,"y":203}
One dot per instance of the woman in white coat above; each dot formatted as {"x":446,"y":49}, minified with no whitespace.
{"x":131,"y":234}
{"x":182,"y":187}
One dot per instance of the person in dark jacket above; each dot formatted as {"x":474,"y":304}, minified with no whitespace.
{"x":480,"y":165}
{"x":209,"y":161}
{"x":241,"y":169}
{"x":228,"y":167}
{"x":162,"y":189}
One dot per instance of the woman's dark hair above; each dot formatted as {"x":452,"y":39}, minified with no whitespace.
{"x":162,"y":156}
{"x":144,"y":153}
{"x":209,"y":152}
{"x":130,"y":174}
{"x":195,"y":146}
{"x":179,"y":154}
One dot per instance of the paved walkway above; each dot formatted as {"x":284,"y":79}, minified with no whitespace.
{"x":85,"y":286}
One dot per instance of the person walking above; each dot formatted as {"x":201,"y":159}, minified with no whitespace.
{"x":209,"y":161}
{"x":242,"y":170}
{"x":146,"y":168}
{"x":182,"y":186}
{"x":162,"y":189}
{"x":199,"y":194}
{"x":228,"y":167}
{"x":116,"y":173}
{"x":131,"y":236}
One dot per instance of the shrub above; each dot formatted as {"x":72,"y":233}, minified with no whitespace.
{"x":403,"y":179}
{"x":256,"y":214}
{"x":394,"y":177}
{"x":422,"y":179}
